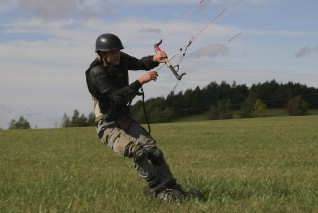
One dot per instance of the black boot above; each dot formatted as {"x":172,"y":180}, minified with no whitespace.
{"x":170,"y":195}
{"x":153,"y":186}
{"x":192,"y":193}
{"x":164,"y":193}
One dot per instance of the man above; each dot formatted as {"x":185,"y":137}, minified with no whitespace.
{"x":107,"y":81}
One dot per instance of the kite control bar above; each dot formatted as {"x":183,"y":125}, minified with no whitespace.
{"x":167,"y":62}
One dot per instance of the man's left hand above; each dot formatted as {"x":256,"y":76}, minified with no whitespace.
{"x":160,"y":57}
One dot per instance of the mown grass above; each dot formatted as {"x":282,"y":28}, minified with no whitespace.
{"x":278,"y":112}
{"x":243,"y":165}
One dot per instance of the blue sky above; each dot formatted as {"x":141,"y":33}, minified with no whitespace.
{"x":46,"y":46}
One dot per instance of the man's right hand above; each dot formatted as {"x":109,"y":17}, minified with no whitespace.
{"x":148,"y":76}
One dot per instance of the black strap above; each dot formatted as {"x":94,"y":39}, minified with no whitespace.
{"x":144,"y":108}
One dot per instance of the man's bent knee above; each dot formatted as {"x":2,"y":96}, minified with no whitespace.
{"x":140,"y":156}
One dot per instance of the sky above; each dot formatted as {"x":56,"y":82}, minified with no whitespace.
{"x":46,"y":46}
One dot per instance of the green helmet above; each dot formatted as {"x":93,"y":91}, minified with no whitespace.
{"x":107,"y":42}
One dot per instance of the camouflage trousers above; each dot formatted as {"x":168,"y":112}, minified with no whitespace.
{"x":125,"y":137}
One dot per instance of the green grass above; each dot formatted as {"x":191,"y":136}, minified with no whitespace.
{"x":242,"y":165}
{"x":236,"y":115}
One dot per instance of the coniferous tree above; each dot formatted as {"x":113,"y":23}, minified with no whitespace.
{"x":66,"y":122}
{"x":248,"y":105}
{"x":91,"y":119}
{"x":22,"y":123}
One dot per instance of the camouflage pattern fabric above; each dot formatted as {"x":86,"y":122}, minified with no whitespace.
{"x":125,"y":137}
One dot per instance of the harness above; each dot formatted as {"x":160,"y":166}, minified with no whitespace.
{"x":116,"y":78}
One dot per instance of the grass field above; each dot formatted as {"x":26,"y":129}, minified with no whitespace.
{"x":242,"y":165}
{"x":236,"y":114}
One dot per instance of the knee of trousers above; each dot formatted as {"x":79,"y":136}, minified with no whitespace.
{"x":156,"y":156}
{"x":141,"y":156}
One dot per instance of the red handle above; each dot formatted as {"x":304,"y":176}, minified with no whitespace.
{"x":156,"y":46}
{"x":157,"y":49}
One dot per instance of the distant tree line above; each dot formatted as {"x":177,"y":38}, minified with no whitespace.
{"x":218,"y":101}
{"x":77,"y":120}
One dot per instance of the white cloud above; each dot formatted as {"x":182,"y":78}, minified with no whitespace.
{"x":211,"y":51}
{"x":64,"y":8}
{"x":286,"y":33}
{"x":210,"y":2}
{"x":146,"y":2}
{"x":7,"y":5}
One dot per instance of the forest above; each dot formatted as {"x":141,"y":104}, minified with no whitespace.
{"x":218,"y":101}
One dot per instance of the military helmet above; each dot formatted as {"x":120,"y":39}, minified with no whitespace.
{"x":107,"y":42}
